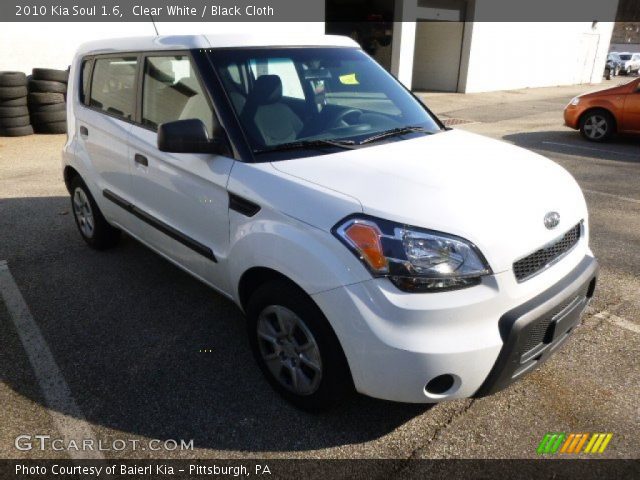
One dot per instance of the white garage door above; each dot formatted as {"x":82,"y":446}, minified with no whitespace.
{"x":436,"y":63}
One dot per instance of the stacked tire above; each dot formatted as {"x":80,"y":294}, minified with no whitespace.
{"x":47,"y":100}
{"x":14,"y":113}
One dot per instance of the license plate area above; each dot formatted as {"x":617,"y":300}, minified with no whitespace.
{"x":567,"y":319}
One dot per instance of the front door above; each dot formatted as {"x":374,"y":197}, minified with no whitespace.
{"x":631,"y":112}
{"x":182,"y":198}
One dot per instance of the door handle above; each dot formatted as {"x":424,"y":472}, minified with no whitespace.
{"x":141,"y":159}
{"x":84,"y":131}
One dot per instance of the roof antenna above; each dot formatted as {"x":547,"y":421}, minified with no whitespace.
{"x":154,"y":25}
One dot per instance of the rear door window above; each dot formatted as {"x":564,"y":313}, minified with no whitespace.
{"x":113,"y":86}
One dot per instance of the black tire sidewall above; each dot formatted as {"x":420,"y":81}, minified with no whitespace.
{"x":336,"y":383}
{"x":9,"y":93}
{"x":49,"y":74}
{"x":13,"y":122}
{"x":46,"y":86}
{"x":55,"y":128}
{"x":12,"y":79}
{"x":16,"y":131}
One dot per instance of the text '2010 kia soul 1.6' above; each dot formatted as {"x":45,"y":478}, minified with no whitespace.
{"x":371,"y":248}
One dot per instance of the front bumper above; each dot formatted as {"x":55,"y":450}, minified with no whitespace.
{"x":396,"y":343}
{"x":533,"y":331}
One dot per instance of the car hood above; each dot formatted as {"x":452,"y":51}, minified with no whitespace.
{"x":619,"y":90}
{"x":492,"y":193}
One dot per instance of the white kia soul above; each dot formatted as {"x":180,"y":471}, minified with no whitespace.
{"x":370,"y":247}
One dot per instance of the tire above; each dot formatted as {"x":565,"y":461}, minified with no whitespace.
{"x":9,"y":112}
{"x":8,"y":93}
{"x":52,"y":127}
{"x":16,"y":132}
{"x":323,"y":388}
{"x":14,"y":102}
{"x":46,"y":86}
{"x":597,"y":125}
{"x":101,"y":235}
{"x":43,"y":98}
{"x":12,"y":79}
{"x":12,"y":122}
{"x":52,"y":107}
{"x":50,"y":75}
{"x":48,"y":117}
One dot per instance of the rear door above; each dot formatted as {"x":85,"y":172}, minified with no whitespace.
{"x":104,"y":124}
{"x":183,"y":197}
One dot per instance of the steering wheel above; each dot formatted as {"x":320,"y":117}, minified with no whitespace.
{"x":342,"y":116}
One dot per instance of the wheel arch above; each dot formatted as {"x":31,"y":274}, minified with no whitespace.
{"x":254,"y":277}
{"x":69,"y":173}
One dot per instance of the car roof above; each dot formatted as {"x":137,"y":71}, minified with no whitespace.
{"x":187,"y":42}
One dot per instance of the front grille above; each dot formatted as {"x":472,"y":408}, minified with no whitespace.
{"x":540,"y":259}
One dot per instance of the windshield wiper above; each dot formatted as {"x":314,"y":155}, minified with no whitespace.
{"x":393,"y":133}
{"x":303,"y":144}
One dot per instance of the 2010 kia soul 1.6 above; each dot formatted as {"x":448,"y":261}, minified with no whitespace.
{"x":371,"y":248}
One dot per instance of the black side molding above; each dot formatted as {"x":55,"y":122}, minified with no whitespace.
{"x":242,"y":205}
{"x":160,"y":225}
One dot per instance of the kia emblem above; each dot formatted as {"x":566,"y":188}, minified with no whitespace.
{"x":551,"y":220}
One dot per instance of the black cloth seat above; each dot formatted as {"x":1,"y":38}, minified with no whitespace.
{"x":267,"y":118}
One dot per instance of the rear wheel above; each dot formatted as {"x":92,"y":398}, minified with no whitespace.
{"x":597,"y":125}
{"x":296,"y":347}
{"x":93,"y":227}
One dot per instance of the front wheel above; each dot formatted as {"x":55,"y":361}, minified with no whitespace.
{"x":597,"y":126}
{"x":93,"y":227}
{"x":296,"y":348}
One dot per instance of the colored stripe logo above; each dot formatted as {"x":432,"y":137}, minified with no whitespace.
{"x":574,"y":443}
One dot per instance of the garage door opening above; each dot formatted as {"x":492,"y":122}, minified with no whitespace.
{"x":438,"y":45}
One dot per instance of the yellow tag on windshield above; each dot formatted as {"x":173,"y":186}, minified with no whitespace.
{"x":349,"y":79}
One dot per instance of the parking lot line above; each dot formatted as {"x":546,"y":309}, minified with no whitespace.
{"x":612,"y":195}
{"x":603,"y":150}
{"x":71,"y":424}
{"x":619,"y":321}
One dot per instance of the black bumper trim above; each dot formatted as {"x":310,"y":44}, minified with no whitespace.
{"x":552,"y":315}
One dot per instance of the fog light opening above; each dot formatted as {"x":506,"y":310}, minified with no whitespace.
{"x":440,"y":385}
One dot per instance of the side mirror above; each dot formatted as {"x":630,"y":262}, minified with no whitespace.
{"x":190,"y":136}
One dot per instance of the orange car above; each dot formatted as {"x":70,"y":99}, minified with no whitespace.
{"x":599,"y":115}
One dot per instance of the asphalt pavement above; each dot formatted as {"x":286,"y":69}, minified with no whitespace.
{"x":144,"y":351}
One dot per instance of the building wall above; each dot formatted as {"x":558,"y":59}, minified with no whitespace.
{"x":505,"y":56}
{"x":625,"y":47}
{"x":24,"y":46}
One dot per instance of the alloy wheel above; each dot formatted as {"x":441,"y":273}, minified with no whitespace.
{"x":289,"y":350}
{"x":83,"y":212}
{"x":596,"y":127}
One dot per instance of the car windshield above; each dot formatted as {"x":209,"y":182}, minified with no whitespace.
{"x":305,"y":101}
{"x":625,"y":57}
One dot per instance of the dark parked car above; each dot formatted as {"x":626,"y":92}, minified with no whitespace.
{"x":614,"y":65}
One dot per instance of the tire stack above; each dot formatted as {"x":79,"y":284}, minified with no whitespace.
{"x":14,"y":114}
{"x":47,"y":100}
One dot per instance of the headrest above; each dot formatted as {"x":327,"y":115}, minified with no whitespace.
{"x":267,"y":89}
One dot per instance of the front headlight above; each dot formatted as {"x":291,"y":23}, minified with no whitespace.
{"x":574,"y":101}
{"x":414,"y":259}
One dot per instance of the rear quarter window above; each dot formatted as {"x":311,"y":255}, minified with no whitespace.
{"x":85,"y":77}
